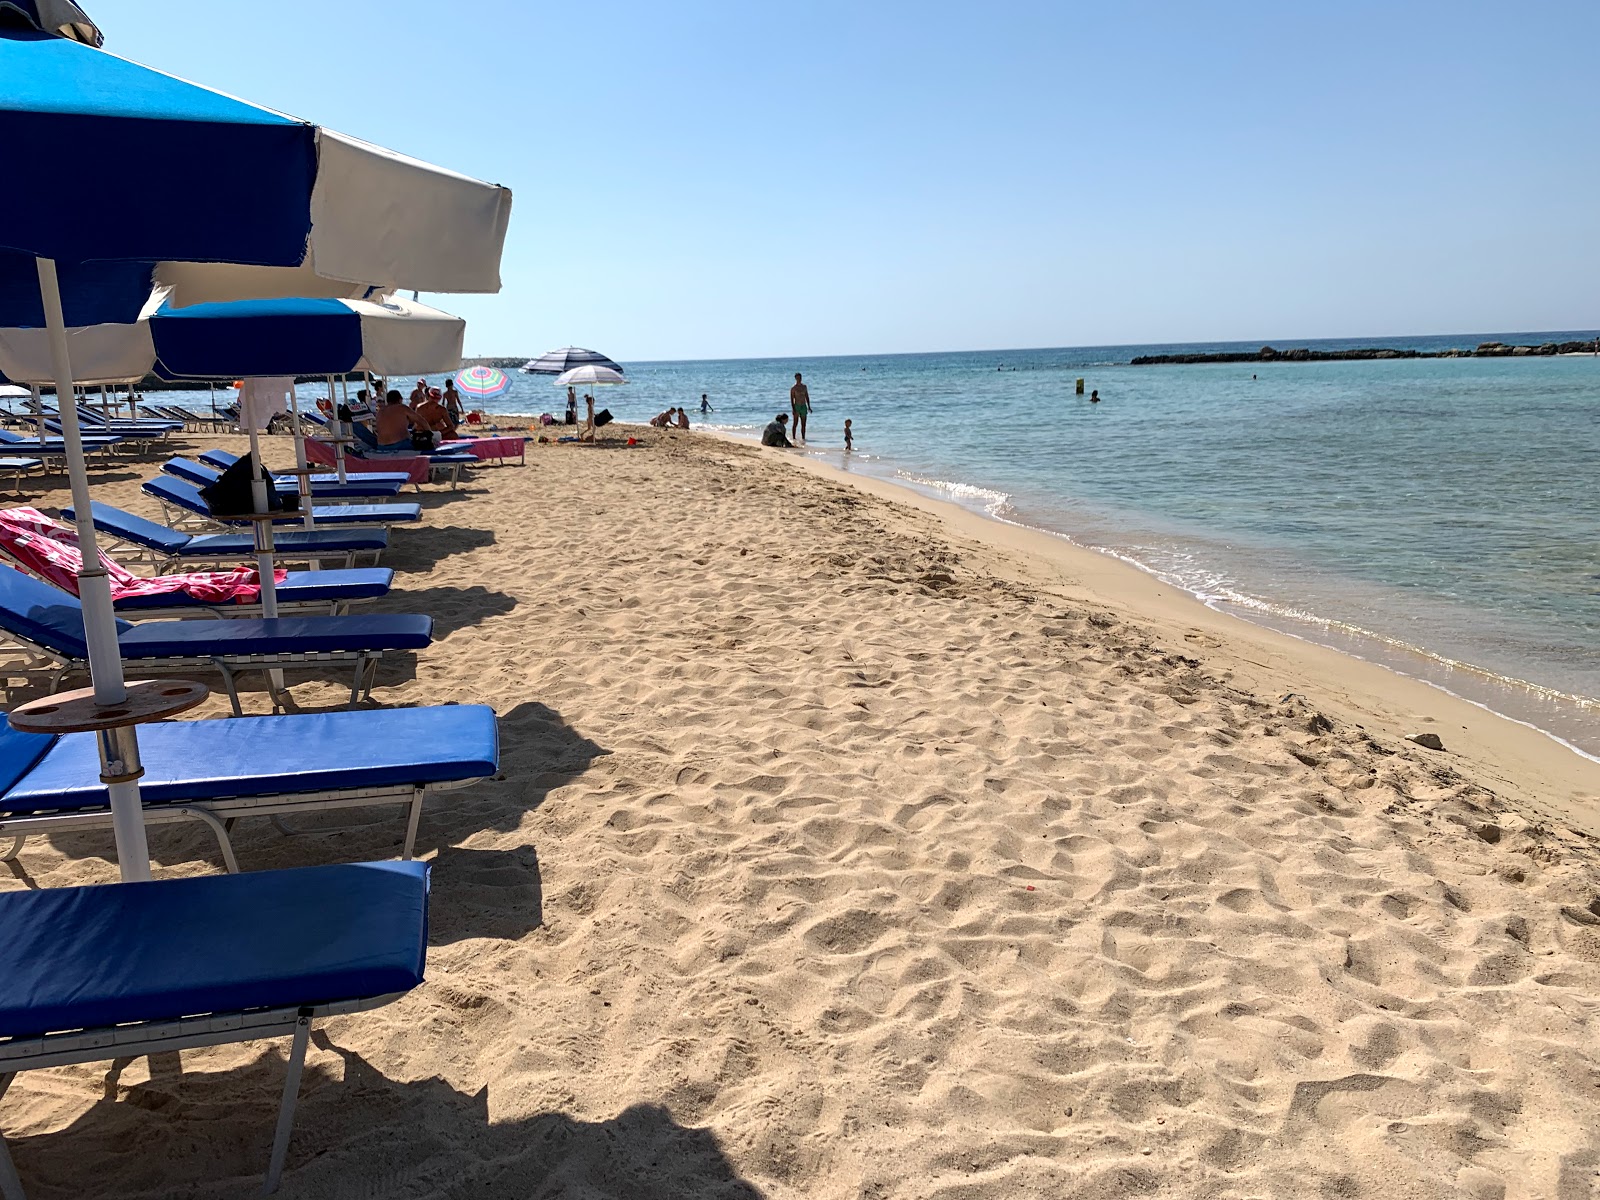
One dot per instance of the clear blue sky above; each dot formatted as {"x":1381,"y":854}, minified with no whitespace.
{"x":736,"y":179}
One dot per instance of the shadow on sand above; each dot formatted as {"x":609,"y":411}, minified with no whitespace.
{"x":362,"y":1136}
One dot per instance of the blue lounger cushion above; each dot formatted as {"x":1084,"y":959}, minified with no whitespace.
{"x":49,"y":617}
{"x":193,"y":761}
{"x":276,"y":635}
{"x":91,"y":957}
{"x":156,"y":536}
{"x":299,"y":587}
{"x":187,"y":497}
{"x":223,"y":459}
{"x":201,"y":475}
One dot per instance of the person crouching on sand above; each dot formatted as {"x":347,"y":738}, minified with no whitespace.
{"x":777,"y":432}
{"x":683,"y":420}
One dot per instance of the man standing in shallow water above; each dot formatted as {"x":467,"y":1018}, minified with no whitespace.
{"x":800,"y":405}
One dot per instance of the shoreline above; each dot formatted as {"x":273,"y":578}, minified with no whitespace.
{"x":1516,"y":753}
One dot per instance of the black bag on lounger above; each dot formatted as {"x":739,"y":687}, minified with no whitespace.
{"x":230,"y":495}
{"x":603,"y":417}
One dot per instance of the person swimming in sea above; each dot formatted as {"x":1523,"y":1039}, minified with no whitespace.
{"x":1094,"y":396}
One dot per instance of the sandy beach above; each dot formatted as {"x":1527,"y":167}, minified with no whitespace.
{"x":849,"y":846}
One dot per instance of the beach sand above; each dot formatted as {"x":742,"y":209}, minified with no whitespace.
{"x":851,"y":846}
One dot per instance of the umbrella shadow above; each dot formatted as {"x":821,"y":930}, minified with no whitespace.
{"x":484,"y":894}
{"x":422,"y":548}
{"x":539,"y":752}
{"x":452,"y":608}
{"x":359,"y":1135}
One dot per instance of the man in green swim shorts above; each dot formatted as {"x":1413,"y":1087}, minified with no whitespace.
{"x":800,"y":404}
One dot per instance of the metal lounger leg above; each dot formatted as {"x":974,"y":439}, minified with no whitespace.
{"x":412,"y":821}
{"x":230,"y":686}
{"x":218,"y":827}
{"x":17,"y":840}
{"x":10,"y":1182}
{"x":291,"y":1095}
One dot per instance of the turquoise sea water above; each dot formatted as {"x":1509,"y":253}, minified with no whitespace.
{"x":1437,"y":515}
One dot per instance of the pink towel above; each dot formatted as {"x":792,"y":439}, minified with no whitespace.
{"x":50,"y":550}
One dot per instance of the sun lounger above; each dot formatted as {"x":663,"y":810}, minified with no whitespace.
{"x":218,"y":771}
{"x":89,"y":420}
{"x":46,"y":625}
{"x":201,"y":475}
{"x":183,"y":502}
{"x":51,"y":447}
{"x":221,"y":460}
{"x":95,"y":973}
{"x":169,"y":548}
{"x":20,"y":467}
{"x":49,"y":550}
{"x":420,"y":466}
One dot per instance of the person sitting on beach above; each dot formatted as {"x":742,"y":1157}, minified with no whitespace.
{"x":663,"y":420}
{"x":683,"y":420}
{"x":432,"y":414}
{"x":777,"y":432}
{"x":392,"y":428}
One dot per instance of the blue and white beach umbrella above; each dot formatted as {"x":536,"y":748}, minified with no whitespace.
{"x":308,"y":212}
{"x":555,"y":362}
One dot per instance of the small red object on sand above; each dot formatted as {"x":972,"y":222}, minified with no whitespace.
{"x":1030,"y":887}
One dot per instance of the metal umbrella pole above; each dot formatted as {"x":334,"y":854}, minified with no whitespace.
{"x":119,"y":748}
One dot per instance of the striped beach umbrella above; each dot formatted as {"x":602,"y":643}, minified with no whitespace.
{"x":483,"y":383}
{"x":554,"y":362}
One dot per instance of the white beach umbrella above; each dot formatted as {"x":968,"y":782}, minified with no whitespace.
{"x":590,"y":376}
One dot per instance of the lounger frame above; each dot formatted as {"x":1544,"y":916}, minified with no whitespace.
{"x":43,"y":662}
{"x":139,"y":1039}
{"x":137,"y":552}
{"x":220,"y":815}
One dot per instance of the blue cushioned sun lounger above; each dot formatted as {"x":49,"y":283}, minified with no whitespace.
{"x":330,"y":592}
{"x":185,"y":502}
{"x":46,"y":624}
{"x":52,"y":446}
{"x":219,"y":771}
{"x":222,"y":460}
{"x":201,"y":474}
{"x":89,"y":417}
{"x":170,"y":548}
{"x":94,"y":973}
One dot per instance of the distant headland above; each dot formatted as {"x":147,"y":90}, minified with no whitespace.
{"x":1267,"y":354}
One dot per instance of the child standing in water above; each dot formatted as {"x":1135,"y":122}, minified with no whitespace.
{"x":849,"y":438}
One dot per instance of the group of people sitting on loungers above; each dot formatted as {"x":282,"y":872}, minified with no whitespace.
{"x":422,"y":425}
{"x":673,"y":418}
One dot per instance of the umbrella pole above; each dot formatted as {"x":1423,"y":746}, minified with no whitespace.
{"x":119,"y":748}
{"x":300,"y":461}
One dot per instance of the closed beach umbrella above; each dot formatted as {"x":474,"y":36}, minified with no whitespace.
{"x":556,"y":361}
{"x":483,"y":383}
{"x":309,"y":212}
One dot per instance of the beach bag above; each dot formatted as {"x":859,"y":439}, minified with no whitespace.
{"x":603,"y":417}
{"x":422,"y":439}
{"x":231,"y":494}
